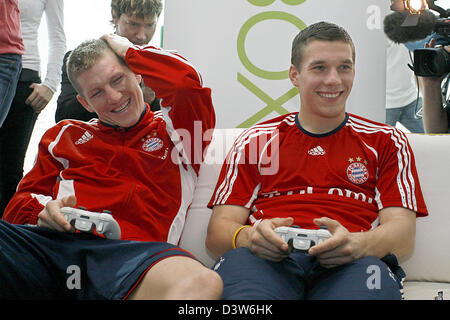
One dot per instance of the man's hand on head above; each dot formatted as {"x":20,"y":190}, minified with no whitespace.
{"x":118,"y":44}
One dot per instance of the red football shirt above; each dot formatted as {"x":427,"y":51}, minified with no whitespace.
{"x":278,"y":169}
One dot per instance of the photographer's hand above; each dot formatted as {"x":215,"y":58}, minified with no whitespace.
{"x":432,"y":81}
{"x":434,"y":116}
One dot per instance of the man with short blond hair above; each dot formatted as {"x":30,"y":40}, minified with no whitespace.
{"x":129,"y":162}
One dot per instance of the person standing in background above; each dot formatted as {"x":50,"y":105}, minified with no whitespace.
{"x":31,"y":96}
{"x":135,"y":20}
{"x":436,"y":110}
{"x":11,"y":51}
{"x":402,"y":100}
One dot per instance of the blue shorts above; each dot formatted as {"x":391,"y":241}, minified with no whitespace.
{"x":300,"y":277}
{"x":39,"y":263}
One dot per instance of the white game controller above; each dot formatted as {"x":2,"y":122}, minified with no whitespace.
{"x":86,"y":221}
{"x":302,"y":239}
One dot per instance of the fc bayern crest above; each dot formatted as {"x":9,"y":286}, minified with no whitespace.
{"x":152,"y":144}
{"x":357,"y":173}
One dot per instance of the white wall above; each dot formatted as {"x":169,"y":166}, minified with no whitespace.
{"x":245,"y":59}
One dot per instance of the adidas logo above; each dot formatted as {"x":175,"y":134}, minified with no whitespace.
{"x":85,"y":138}
{"x":317,"y":151}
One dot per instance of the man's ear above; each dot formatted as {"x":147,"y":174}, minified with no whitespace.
{"x":139,"y":79}
{"x":114,"y":18}
{"x":293,"y":75}
{"x":84,"y":103}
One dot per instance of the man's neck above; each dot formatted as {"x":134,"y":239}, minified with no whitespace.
{"x":319,"y":124}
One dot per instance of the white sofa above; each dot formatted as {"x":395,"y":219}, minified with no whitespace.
{"x":427,"y":268}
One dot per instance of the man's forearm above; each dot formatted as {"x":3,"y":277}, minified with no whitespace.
{"x":220,"y":236}
{"x":225,"y":221}
{"x":434,"y":115}
{"x":394,"y":235}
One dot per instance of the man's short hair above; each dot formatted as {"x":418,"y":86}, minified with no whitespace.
{"x":84,"y":57}
{"x":318,"y":31}
{"x":140,"y":8}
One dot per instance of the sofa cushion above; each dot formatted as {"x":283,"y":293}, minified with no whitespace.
{"x":194,"y":234}
{"x":430,"y":259}
{"x":420,"y":290}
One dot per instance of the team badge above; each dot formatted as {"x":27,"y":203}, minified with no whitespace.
{"x":152,"y":144}
{"x":357,"y":171}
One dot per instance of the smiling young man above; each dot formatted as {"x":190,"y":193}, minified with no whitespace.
{"x":110,"y":89}
{"x":129,"y":161}
{"x":133,"y":19}
{"x":337,"y":170}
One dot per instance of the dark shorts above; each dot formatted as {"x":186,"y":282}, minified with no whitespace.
{"x":300,"y":277}
{"x":38,"y":263}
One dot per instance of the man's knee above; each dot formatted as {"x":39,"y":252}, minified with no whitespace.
{"x":179,"y":278}
{"x":204,"y":285}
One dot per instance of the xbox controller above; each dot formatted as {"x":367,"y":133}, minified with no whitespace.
{"x":86,"y":221}
{"x":302,"y":239}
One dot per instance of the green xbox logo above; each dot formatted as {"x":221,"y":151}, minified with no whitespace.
{"x":263,"y":3}
{"x":272,"y":104}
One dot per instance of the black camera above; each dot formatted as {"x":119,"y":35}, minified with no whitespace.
{"x":413,"y":21}
{"x":434,"y":62}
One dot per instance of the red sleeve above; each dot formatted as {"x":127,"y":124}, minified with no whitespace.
{"x":239,"y":179}
{"x":37,"y":186}
{"x":398,"y":182}
{"x":186,"y":105}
